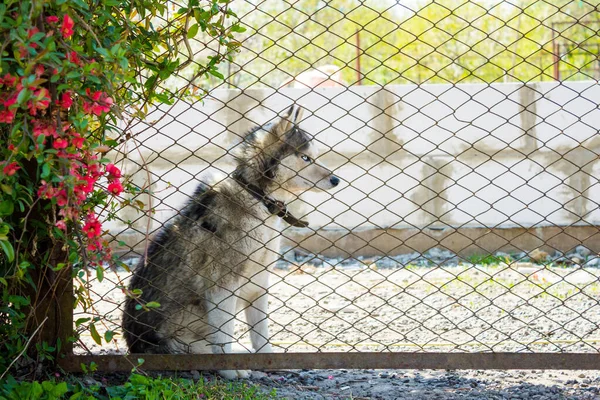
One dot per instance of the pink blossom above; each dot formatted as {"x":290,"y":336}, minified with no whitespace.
{"x":65,"y":100}
{"x":7,"y":116}
{"x":73,"y":57}
{"x":115,"y":187}
{"x":61,"y":198}
{"x":60,"y":143}
{"x":113,"y":171}
{"x":42,"y":128}
{"x":77,"y":141}
{"x":41,"y":101}
{"x":8,"y":80}
{"x":30,"y":34}
{"x":67,"y":27}
{"x":11,"y":169}
{"x":101,"y":103}
{"x":92,"y":227}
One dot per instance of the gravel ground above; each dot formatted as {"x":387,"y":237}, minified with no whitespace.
{"x":410,"y":384}
{"x":430,"y":302}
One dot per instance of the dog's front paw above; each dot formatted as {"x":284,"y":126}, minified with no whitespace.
{"x":231,"y":374}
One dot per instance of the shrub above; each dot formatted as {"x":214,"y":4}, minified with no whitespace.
{"x":70,"y":70}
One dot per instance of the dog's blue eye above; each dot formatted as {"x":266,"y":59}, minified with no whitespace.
{"x":306,"y":158}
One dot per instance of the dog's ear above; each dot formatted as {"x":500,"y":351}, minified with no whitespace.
{"x":288,"y":120}
{"x":298,"y":115}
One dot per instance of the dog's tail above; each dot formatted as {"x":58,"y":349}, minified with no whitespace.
{"x":140,"y":327}
{"x":148,"y":342}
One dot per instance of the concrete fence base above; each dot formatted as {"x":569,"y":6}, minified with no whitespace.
{"x":381,"y":242}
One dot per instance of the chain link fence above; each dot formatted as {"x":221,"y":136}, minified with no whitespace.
{"x":465,"y":137}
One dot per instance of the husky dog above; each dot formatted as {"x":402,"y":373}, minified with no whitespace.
{"x":211,"y":262}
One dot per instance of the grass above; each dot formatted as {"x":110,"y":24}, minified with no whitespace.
{"x":489,"y":259}
{"x":137,"y":387}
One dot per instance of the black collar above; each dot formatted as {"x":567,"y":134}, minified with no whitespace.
{"x":275,"y":207}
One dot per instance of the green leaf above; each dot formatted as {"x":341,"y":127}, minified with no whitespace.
{"x":238,"y":28}
{"x":95,"y":334}
{"x":36,"y":390}
{"x":8,"y":250}
{"x":73,"y":75}
{"x":7,"y":207}
{"x":100,"y":273}
{"x":153,"y":304}
{"x":6,"y":189}
{"x":23,"y":96}
{"x":111,"y":142}
{"x":4,"y":229}
{"x":47,"y":386}
{"x":163,"y":98}
{"x":59,"y":266}
{"x":193,"y":31}
{"x":60,"y":389}
{"x":81,"y":321}
{"x":45,"y":170}
{"x":138,"y":379}
{"x":80,"y":4}
{"x":108,"y":336}
{"x":215,"y":72}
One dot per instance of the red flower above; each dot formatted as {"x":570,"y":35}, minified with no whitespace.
{"x":11,"y":169}
{"x":77,"y":142}
{"x":41,"y":128}
{"x":65,"y":100}
{"x":67,"y":27}
{"x":73,"y":57}
{"x":61,"y":225}
{"x":52,"y":19}
{"x":40,"y":102}
{"x":60,"y":143}
{"x":92,"y":227}
{"x":115,"y":187}
{"x":45,"y":191}
{"x":30,"y":34}
{"x":113,"y":171}
{"x":39,"y":70}
{"x":94,"y":246}
{"x":61,"y":198}
{"x":87,"y":186}
{"x":10,"y":101}
{"x":93,"y":170}
{"x":12,"y":147}
{"x":101,"y":103}
{"x":7,"y":116}
{"x":8,"y":80}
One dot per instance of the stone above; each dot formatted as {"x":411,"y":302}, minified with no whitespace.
{"x":583,"y":251}
{"x":538,"y":255}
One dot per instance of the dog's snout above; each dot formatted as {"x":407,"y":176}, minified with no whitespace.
{"x":334,"y":180}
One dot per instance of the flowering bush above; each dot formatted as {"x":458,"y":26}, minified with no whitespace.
{"x":68,"y":71}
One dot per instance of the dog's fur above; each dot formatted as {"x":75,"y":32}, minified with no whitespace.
{"x":212,"y":260}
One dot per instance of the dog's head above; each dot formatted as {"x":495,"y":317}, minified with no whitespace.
{"x":281,"y":158}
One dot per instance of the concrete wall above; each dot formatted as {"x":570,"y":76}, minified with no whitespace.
{"x":436,"y":156}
